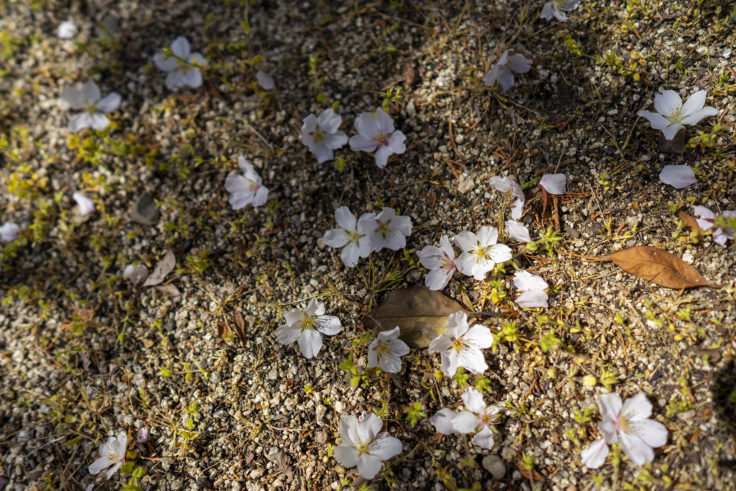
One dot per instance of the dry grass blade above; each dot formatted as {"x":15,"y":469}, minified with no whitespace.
{"x":658,"y":266}
{"x":419,"y":312}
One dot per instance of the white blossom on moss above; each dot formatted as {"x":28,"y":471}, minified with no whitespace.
{"x":672,"y":114}
{"x":94,"y":107}
{"x":322,"y":134}
{"x":364,"y":446}
{"x":460,"y":345}
{"x":112,"y":455}
{"x":181,"y":65}
{"x":376,"y":133}
{"x":307,"y":326}
{"x":246,"y":189}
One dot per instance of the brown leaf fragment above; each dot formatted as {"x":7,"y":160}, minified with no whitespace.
{"x":240,"y":325}
{"x":658,"y":266}
{"x":691,"y":222}
{"x":419,"y":312}
{"x":162,"y":268}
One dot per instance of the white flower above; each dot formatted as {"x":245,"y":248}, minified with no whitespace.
{"x":442,"y":421}
{"x":460,"y":345}
{"x":181,"y":65}
{"x":247,"y":189}
{"x":305,"y":328}
{"x":533,"y":287}
{"x":508,"y":185}
{"x":388,"y":230}
{"x":376,"y":134}
{"x":558,"y":9}
{"x":265,"y":80}
{"x":677,"y":176}
{"x":86,"y":205}
{"x":322,"y":135}
{"x":66,"y":30}
{"x":351,"y":236}
{"x":501,"y":71}
{"x":135,"y":273}
{"x":364,"y":446}
{"x":517,"y":231}
{"x":477,"y":417}
{"x":88,"y":99}
{"x":9,"y":231}
{"x":707,"y":221}
{"x":112,"y":454}
{"x":554,"y":183}
{"x":629,"y":425}
{"x":480,"y":252}
{"x":595,"y":454}
{"x":441,"y":263}
{"x":672,"y":114}
{"x":386,"y":351}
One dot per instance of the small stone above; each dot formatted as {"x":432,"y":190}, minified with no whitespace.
{"x":273,"y":374}
{"x":144,"y":210}
{"x":494,"y":464}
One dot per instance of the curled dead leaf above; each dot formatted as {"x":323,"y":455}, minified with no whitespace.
{"x":163,"y":267}
{"x":419,"y":312}
{"x":691,"y":222}
{"x":658,"y":266}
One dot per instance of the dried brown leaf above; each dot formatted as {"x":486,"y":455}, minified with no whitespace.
{"x":691,"y":222}
{"x":240,"y":326}
{"x":419,"y":312}
{"x":657,"y":266}
{"x":162,"y":268}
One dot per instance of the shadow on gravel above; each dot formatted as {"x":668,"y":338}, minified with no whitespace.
{"x":724,"y":400}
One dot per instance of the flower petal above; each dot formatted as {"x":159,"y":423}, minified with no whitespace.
{"x":369,"y":466}
{"x":91,"y":92}
{"x":335,"y":237}
{"x":484,"y":438}
{"x":265,"y":80}
{"x":532,"y":299}
{"x":73,"y":97}
{"x":437,"y":279}
{"x":667,"y":103}
{"x":181,"y":47}
{"x":473,"y":400}
{"x":635,"y":449}
{"x":637,"y":408}
{"x":80,"y":121}
{"x":443,"y":421}
{"x":165,"y":63}
{"x":286,"y":334}
{"x":694,"y":103}
{"x":653,"y":433}
{"x":382,"y":154}
{"x":310,"y":342}
{"x":697,"y":116}
{"x":517,"y":231}
{"x":678,"y":176}
{"x":609,"y":406}
{"x":345,"y":218}
{"x":465,"y":422}
{"x":524,"y":280}
{"x":554,"y":183}
{"x":385,"y":447}
{"x":100,"y":464}
{"x":595,"y":454}
{"x":109,"y":103}
{"x":328,"y":325}
{"x":346,"y":455}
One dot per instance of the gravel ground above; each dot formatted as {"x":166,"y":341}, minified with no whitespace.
{"x":84,"y":354}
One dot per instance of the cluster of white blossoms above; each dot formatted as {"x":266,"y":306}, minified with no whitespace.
{"x":477,"y":417}
{"x":369,"y":233}
{"x":627,"y":424}
{"x":182,"y":67}
{"x":376,"y":134}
